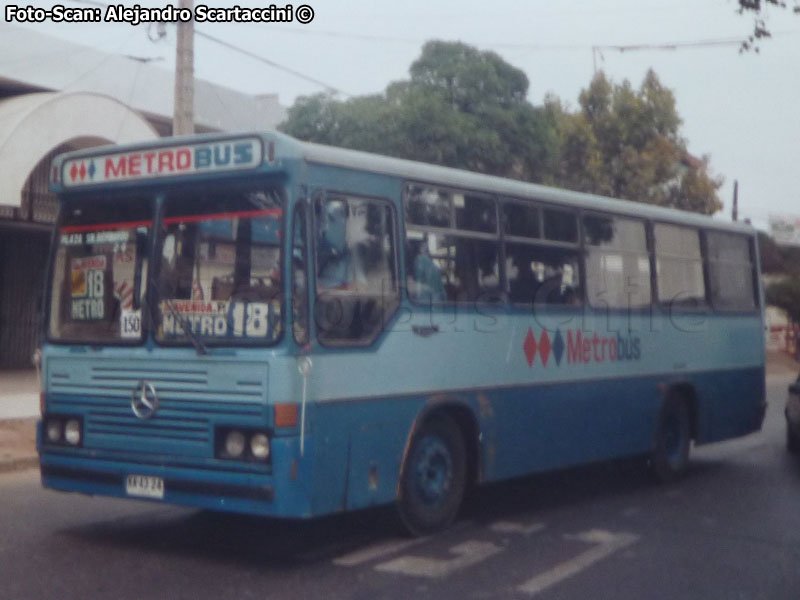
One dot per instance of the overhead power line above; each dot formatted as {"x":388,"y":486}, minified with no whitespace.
{"x":271,"y":63}
{"x":381,"y":39}
{"x":328,"y":87}
{"x":597,"y":50}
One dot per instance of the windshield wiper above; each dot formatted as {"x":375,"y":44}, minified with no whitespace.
{"x":193,"y":337}
{"x":199,"y":346}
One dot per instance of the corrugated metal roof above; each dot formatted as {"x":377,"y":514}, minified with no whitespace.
{"x":32,"y":60}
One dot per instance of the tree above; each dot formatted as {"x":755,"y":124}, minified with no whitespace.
{"x":757,"y":8}
{"x":626,"y":143}
{"x":462,"y":107}
{"x":363,"y":123}
{"x":786,"y":295}
{"x":466,"y":108}
{"x":778,"y":260}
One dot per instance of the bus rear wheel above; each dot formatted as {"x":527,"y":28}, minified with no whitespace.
{"x":433,"y":477}
{"x":670,"y":457}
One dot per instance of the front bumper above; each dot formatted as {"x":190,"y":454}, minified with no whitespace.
{"x":278,"y":493}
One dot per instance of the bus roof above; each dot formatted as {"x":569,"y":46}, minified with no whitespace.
{"x":279,"y":146}
{"x":458,"y":178}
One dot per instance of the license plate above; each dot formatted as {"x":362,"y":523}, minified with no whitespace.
{"x":144,"y":486}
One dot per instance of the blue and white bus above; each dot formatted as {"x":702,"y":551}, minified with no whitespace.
{"x":255,"y":324}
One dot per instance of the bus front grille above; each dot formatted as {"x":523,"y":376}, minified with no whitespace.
{"x":192,"y":399}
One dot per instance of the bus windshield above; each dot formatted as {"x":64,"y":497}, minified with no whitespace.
{"x":219,"y":278}
{"x":100,"y":271}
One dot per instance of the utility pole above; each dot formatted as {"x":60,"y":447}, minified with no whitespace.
{"x":735,"y":214}
{"x":183,"y":117}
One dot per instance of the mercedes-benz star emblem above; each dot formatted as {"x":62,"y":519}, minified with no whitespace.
{"x":144,"y":400}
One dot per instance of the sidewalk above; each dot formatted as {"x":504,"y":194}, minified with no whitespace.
{"x":19,"y":394}
{"x":780,"y":363}
{"x":19,"y":409}
{"x":18,"y":444}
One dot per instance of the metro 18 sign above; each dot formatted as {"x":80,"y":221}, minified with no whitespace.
{"x":169,"y":161}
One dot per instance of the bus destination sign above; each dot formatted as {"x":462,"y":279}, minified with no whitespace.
{"x":167,"y":161}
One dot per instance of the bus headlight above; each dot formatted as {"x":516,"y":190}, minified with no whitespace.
{"x":259,"y":446}
{"x":63,"y":430}
{"x":242,"y":443}
{"x":234,"y":444}
{"x":53,"y":431}
{"x":72,"y":432}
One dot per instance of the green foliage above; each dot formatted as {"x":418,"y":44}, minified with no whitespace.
{"x":758,"y":8}
{"x":775,"y":259}
{"x":470,"y":80}
{"x":461,"y":108}
{"x":362,"y":123}
{"x":467,"y":108}
{"x":786,"y":295}
{"x":626,"y":143}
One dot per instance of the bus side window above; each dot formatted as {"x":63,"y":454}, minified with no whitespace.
{"x":679,"y":266}
{"x":539,"y":268}
{"x":731,"y":271}
{"x":356,"y":275}
{"x":617,"y":262}
{"x":452,"y":249}
{"x":542,"y":275}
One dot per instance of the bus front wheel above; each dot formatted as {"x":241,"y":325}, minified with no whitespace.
{"x":670,"y":457}
{"x":433,"y":477}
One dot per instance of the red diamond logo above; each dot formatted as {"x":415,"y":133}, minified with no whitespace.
{"x":73,"y":172}
{"x":544,"y":347}
{"x":83,"y":171}
{"x":529,"y":347}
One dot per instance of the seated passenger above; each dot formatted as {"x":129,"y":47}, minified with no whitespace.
{"x":428,"y":277}
{"x":335,"y":268}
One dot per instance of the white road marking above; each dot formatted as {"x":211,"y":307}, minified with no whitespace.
{"x":511,"y":527}
{"x":608,"y":544}
{"x":375,"y":551}
{"x":466,"y":554}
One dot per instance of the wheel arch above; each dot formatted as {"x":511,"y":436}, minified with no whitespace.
{"x":686,"y":391}
{"x":463,"y":415}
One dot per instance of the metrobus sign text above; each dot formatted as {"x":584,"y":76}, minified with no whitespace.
{"x":577,"y":348}
{"x":169,"y":161}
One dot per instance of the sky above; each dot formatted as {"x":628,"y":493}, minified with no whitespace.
{"x":740,"y":109}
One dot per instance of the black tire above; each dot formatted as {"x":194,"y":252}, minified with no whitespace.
{"x":433,"y":477}
{"x":673,"y":439}
{"x":792,"y":441}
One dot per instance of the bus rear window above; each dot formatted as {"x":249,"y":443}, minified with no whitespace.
{"x":99,"y":271}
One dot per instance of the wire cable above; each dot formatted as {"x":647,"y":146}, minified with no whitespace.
{"x":269,"y":62}
{"x":328,"y":87}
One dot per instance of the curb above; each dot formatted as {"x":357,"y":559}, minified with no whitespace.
{"x":18,"y":444}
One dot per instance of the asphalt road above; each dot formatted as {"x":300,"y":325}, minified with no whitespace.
{"x":729,"y":531}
